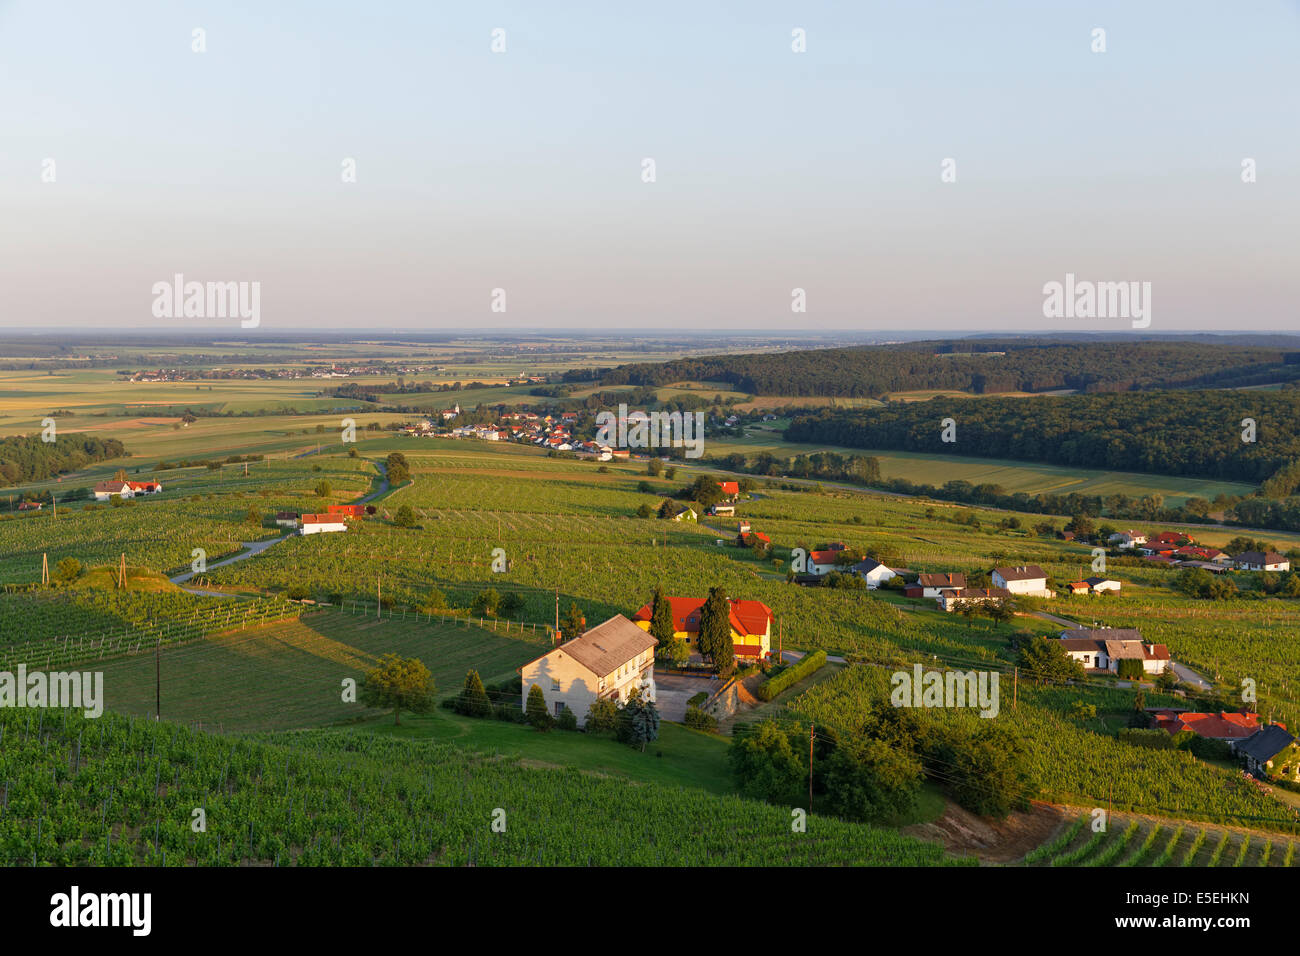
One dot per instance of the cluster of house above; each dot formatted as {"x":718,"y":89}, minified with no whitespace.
{"x":1094,"y":586}
{"x":552,"y":432}
{"x":1100,"y":649}
{"x":104,"y":490}
{"x":335,"y":518}
{"x":1264,"y":747}
{"x":825,"y":558}
{"x":616,"y":657}
{"x":1176,"y":549}
{"x":950,"y":592}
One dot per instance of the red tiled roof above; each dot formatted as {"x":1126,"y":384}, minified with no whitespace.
{"x":1220,"y":726}
{"x":823,"y":557}
{"x":729,"y":487}
{"x":747,"y":617}
{"x":748,"y":650}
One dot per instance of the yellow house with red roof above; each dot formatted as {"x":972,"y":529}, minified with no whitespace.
{"x":751,"y":624}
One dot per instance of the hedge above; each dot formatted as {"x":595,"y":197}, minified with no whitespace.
{"x":788,"y":677}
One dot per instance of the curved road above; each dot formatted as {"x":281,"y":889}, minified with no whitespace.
{"x":252,"y":548}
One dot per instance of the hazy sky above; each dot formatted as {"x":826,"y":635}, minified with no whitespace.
{"x":522,"y":170}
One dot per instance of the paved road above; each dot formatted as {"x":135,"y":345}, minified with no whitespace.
{"x":252,"y":548}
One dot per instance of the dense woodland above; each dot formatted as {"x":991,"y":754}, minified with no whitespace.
{"x":874,"y":371}
{"x":28,"y":458}
{"x":1197,"y":434}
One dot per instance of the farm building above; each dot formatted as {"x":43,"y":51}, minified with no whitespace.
{"x":1225,"y":725}
{"x":1098,"y":585}
{"x":287,"y":519}
{"x":347,"y":511}
{"x":104,"y":490}
{"x":951,"y":599}
{"x":751,"y":624}
{"x":1127,"y":540}
{"x":1270,"y":750}
{"x":873,"y":572}
{"x":609,"y":660}
{"x":145,"y":487}
{"x":1262,"y":561}
{"x":686,"y":514}
{"x":932,"y":584}
{"x":730,"y":489}
{"x":1102,"y":648}
{"x":721,"y":510}
{"x":1023,"y":579}
{"x":317,"y":524}
{"x":749,"y":539}
{"x":1077,"y":587}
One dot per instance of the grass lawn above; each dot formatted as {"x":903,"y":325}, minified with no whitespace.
{"x":689,"y":758}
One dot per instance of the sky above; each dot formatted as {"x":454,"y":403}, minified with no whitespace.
{"x":774,"y":170}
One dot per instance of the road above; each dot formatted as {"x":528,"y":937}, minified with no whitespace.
{"x":252,"y":548}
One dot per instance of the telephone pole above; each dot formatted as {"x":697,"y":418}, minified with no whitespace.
{"x":811,"y":728}
{"x":557,"y":614}
{"x":1015,"y":688}
{"x":45,"y":568}
{"x":157,"y":680}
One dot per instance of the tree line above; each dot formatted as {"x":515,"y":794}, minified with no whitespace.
{"x":29,"y":458}
{"x":988,"y":367}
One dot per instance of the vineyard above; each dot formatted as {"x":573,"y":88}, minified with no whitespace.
{"x":162,"y":531}
{"x":286,"y":674}
{"x":119,"y":791}
{"x":1143,"y":841}
{"x":1070,"y":763}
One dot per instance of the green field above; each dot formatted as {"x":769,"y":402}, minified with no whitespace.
{"x":1012,"y":476}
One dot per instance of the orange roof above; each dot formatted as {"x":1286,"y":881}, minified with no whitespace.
{"x":729,"y":487}
{"x":747,"y":617}
{"x":823,"y":557}
{"x":1220,"y":726}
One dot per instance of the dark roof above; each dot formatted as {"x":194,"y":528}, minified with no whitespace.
{"x":1265,"y":744}
{"x":1102,"y":634}
{"x":954,"y":580}
{"x":1260,"y":557}
{"x":1023,"y":572}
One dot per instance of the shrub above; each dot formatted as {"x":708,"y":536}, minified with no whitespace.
{"x":699,"y":719}
{"x":787,"y":677}
{"x":567,"y":720}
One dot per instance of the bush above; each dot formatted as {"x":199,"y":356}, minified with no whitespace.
{"x":787,"y":677}
{"x":699,"y":719}
{"x":567,"y":720}
{"x":298,"y":592}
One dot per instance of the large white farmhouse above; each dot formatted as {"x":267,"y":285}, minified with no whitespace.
{"x":609,"y":660}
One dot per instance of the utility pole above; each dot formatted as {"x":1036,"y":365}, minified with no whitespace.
{"x":1015,"y":688}
{"x":121,"y":572}
{"x":557,"y":614}
{"x":157,"y":680}
{"x":45,"y":568}
{"x":55,"y":502}
{"x":780,"y":642}
{"x":811,"y":728}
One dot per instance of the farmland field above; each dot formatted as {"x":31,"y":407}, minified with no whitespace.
{"x":235,"y":662}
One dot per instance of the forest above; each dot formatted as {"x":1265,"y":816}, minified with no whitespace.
{"x":1012,"y":366}
{"x":1196,"y":434}
{"x":29,"y":458}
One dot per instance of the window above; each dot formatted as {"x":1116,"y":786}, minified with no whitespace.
{"x":555,"y":684}
{"x":559,"y":707}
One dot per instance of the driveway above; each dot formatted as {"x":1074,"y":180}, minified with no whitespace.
{"x":672,"y":691}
